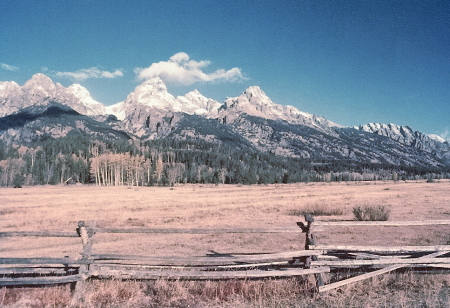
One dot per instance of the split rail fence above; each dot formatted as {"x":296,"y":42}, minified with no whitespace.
{"x":314,"y":259}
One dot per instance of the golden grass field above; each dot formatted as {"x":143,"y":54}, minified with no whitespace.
{"x":59,"y":208}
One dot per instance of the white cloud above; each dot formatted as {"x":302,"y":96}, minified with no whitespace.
{"x":9,"y":67}
{"x":180,"y":57}
{"x":92,"y":72}
{"x":179,"y":69}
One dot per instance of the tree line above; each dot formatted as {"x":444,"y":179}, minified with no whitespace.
{"x":168,"y":162}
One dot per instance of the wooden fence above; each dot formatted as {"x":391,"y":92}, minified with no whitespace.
{"x":314,"y":259}
{"x":376,"y":260}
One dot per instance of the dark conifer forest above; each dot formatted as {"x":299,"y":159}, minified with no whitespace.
{"x":168,"y":161}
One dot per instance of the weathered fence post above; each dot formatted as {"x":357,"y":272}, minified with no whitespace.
{"x":310,"y":241}
{"x":86,"y":234}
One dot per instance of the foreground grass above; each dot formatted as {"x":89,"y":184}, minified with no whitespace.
{"x":391,"y":290}
{"x":200,"y":206}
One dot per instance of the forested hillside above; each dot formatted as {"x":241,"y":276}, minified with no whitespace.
{"x":169,"y":161}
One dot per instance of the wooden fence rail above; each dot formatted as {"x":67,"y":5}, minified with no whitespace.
{"x":314,"y":259}
{"x":49,"y":271}
{"x":390,"y":258}
{"x":38,"y":233}
{"x":384,"y":223}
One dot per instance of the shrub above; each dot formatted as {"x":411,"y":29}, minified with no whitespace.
{"x":318,"y":210}
{"x":372,"y":212}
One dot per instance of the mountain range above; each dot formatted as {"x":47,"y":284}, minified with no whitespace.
{"x":42,"y":109}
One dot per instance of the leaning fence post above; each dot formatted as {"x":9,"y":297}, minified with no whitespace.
{"x":86,"y":234}
{"x":310,"y":241}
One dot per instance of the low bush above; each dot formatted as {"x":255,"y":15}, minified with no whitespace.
{"x":372,"y":212}
{"x":318,"y":210}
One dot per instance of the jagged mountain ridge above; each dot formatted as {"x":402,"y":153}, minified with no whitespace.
{"x":347,"y":144}
{"x":403,"y":134}
{"x":255,"y":102}
{"x":250,"y":120}
{"x":409,"y":137}
{"x":40,"y":90}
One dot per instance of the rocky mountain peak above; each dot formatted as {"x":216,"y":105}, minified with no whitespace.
{"x":7,"y":87}
{"x":252,"y":101}
{"x":79,"y":91}
{"x":196,"y":103}
{"x":154,"y":85}
{"x":41,"y":90}
{"x":79,"y":98}
{"x":39,"y":79}
{"x":194,"y":95}
{"x":39,"y":87}
{"x":152,"y":93}
{"x":255,"y":102}
{"x":254,"y":91}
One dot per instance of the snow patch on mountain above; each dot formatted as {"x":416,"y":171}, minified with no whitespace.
{"x":118,"y":110}
{"x":437,"y":138}
{"x":92,"y":106}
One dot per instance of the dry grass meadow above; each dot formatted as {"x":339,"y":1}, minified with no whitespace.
{"x":59,"y":208}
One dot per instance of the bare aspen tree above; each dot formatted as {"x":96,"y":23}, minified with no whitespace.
{"x":159,"y":168}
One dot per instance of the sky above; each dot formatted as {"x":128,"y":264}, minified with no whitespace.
{"x":352,"y":61}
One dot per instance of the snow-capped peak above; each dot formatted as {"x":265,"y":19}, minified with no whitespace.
{"x":79,"y":91}
{"x":254,"y":91}
{"x":39,"y":87}
{"x":40,"y":90}
{"x":155,"y":85}
{"x":39,"y":81}
{"x":254,"y":101}
{"x":195,"y":103}
{"x":7,"y":88}
{"x":82,"y":95}
{"x":195,"y":92}
{"x":152,"y":93}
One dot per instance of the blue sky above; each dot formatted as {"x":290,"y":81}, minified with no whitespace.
{"x":352,"y":62}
